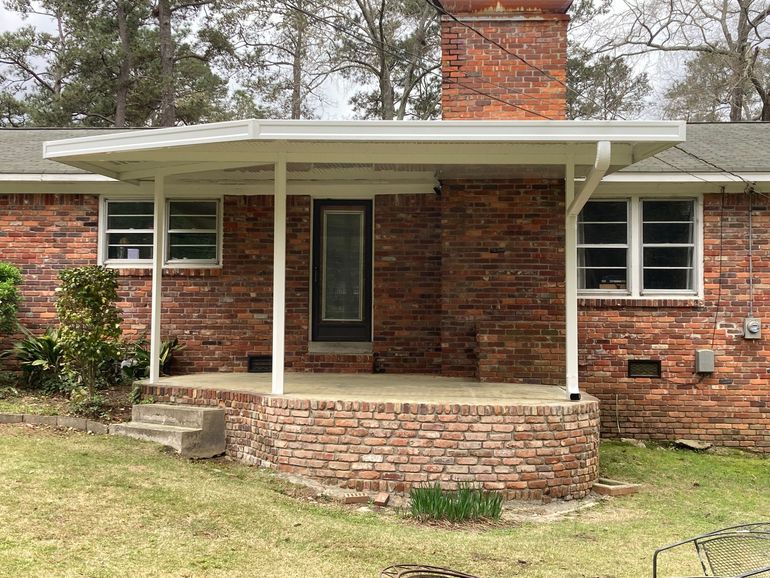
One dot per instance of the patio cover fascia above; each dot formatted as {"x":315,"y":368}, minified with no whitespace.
{"x":587,"y":149}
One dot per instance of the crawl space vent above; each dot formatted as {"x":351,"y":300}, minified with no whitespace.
{"x":644,"y":368}
{"x":260,"y":364}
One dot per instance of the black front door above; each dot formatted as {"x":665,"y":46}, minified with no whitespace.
{"x":342,"y":270}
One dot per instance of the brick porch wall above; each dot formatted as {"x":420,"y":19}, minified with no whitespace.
{"x":730,"y":407}
{"x":526,"y":452}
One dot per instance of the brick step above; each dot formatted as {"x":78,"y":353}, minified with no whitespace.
{"x":194,"y":432}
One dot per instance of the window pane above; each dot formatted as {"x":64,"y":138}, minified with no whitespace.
{"x":602,"y":258}
{"x":343,"y":265}
{"x":129,"y":246}
{"x":128,"y":252}
{"x":668,"y":256}
{"x":182,"y":252}
{"x":667,"y":211}
{"x":193,"y":208}
{"x":130,"y":222}
{"x":130,"y":208}
{"x":603,"y":211}
{"x":602,"y":278}
{"x":601,"y":234}
{"x":668,"y":232}
{"x":668,"y":279}
{"x":192,"y":239}
{"x":186,"y":222}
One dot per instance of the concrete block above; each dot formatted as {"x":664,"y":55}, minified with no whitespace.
{"x":354,"y":498}
{"x":11,"y":418}
{"x":96,"y":427}
{"x":614,"y":488}
{"x":78,"y":423}
{"x":41,"y":419}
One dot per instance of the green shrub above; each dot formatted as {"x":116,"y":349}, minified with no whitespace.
{"x":10,"y":279}
{"x":90,"y":323}
{"x":87,"y":404}
{"x":8,"y":382}
{"x":466,"y":503}
{"x":42,"y":361}
{"x":136,"y":365}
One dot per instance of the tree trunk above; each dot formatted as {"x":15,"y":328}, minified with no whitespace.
{"x":124,"y":74}
{"x":299,"y":54}
{"x":167,"y":109}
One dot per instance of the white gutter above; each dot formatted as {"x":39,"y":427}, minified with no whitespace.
{"x":602,"y":163}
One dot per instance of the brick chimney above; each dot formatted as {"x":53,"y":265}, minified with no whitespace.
{"x":536,"y":30}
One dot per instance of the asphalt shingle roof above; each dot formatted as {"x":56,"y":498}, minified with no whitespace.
{"x":21,"y":149}
{"x":738,"y":147}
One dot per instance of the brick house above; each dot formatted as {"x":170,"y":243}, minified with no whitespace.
{"x":503,"y":244}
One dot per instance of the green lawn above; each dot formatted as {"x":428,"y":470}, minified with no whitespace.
{"x":80,"y":505}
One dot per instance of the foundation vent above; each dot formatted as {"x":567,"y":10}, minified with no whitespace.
{"x":259,"y":363}
{"x":644,"y":368}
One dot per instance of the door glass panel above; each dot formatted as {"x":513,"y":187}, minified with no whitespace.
{"x":342,"y":272}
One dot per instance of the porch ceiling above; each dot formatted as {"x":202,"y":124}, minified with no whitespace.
{"x":392,"y":156}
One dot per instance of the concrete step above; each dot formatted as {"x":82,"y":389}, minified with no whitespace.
{"x":193,"y":432}
{"x":181,"y":415}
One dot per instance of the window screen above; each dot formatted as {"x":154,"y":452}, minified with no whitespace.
{"x":668,"y":245}
{"x":603,"y":245}
{"x":129,"y":230}
{"x":192,"y":231}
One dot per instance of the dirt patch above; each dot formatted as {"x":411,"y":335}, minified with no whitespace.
{"x":117,"y":406}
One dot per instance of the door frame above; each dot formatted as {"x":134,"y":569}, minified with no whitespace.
{"x":340,"y":331}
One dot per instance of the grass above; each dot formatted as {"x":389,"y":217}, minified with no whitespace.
{"x":79,"y":505}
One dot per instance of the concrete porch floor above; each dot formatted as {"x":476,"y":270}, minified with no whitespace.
{"x":379,"y":387}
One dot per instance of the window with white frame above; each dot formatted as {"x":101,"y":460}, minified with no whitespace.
{"x":638,"y":246}
{"x":193,"y":232}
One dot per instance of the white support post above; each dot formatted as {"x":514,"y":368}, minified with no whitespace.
{"x":279,"y":274}
{"x":158,"y":256}
{"x":570,"y":273}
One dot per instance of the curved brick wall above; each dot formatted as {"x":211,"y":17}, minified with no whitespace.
{"x":527,"y":451}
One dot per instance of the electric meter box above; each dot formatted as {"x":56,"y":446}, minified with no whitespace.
{"x":752,"y":328}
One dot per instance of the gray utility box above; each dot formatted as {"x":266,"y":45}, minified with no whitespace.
{"x":704,"y":361}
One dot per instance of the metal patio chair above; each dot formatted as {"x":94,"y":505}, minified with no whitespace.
{"x":732,"y":552}
{"x":421,"y":571}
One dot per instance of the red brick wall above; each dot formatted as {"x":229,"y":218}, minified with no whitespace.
{"x":474,"y":68}
{"x":730,"y":407}
{"x":526,"y":452}
{"x":502,"y":267}
{"x":407,"y":283}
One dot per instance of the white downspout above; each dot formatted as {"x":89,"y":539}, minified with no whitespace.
{"x":158,"y":256}
{"x":279,"y":274}
{"x":575,"y":204}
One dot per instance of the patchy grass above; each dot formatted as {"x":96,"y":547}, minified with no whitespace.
{"x":117,"y":406}
{"x":80,"y":505}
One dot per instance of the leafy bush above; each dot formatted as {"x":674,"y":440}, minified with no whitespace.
{"x":137,"y":362}
{"x":466,"y":503}
{"x":10,"y":279}
{"x":42,"y":361}
{"x":90,"y":323}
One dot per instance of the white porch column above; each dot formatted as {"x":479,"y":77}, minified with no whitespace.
{"x":158,"y":256}
{"x":570,"y":275}
{"x":279,"y":274}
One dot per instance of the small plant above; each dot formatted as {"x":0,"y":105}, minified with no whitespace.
{"x":137,"y":364}
{"x":42,"y":360}
{"x":8,"y":381}
{"x":83,"y":402}
{"x":10,"y":279}
{"x":466,"y":503}
{"x":90,"y":323}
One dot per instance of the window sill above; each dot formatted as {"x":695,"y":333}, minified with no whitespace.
{"x":169,"y":271}
{"x":646,"y":302}
{"x":340,"y":347}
